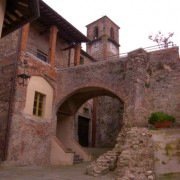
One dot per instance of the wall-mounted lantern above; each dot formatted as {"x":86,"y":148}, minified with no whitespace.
{"x":23,"y":79}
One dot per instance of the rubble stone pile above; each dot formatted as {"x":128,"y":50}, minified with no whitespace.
{"x":132,"y":157}
{"x":136,"y":160}
{"x":103,"y":164}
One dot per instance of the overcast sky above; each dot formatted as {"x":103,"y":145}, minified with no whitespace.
{"x":136,"y":18}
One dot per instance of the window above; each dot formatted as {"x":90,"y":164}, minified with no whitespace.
{"x":86,"y":110}
{"x":42,"y":56}
{"x":96,"y":32}
{"x":112,"y":33}
{"x":38,"y":108}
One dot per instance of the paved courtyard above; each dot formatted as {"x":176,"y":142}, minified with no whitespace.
{"x":75,"y":172}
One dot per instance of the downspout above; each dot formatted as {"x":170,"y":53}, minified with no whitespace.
{"x":10,"y":108}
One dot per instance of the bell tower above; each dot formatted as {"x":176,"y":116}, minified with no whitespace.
{"x":104,"y":38}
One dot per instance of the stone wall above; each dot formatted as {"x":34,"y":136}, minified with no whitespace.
{"x":6,"y":74}
{"x":139,"y":81}
{"x":8,"y":43}
{"x":132,"y":157}
{"x":132,"y":81}
{"x":163,"y":82}
{"x":38,"y":39}
{"x":104,"y":25}
{"x":8,"y":46}
{"x":100,"y":47}
{"x":30,"y":135}
{"x":30,"y":141}
{"x":136,"y":158}
{"x":109,"y":121}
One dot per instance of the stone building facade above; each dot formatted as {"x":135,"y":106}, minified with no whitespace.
{"x":42,"y":48}
{"x":37,"y":120}
{"x":104,"y":45}
{"x":104,"y":36}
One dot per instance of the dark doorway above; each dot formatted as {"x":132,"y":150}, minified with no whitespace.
{"x":83,"y":131}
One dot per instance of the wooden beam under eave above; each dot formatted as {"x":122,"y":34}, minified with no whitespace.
{"x":2,"y":13}
{"x":77,"y":54}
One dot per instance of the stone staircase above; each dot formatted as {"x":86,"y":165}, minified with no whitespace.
{"x":77,"y":158}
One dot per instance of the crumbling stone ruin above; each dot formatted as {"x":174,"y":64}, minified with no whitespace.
{"x":131,"y":158}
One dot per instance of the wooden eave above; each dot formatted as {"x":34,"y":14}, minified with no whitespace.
{"x":48,"y":17}
{"x":18,"y":13}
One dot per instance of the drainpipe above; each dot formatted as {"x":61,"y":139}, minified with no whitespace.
{"x":10,"y":108}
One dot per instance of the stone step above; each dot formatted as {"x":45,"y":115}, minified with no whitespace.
{"x":69,"y":150}
{"x":76,"y":156}
{"x":77,"y":159}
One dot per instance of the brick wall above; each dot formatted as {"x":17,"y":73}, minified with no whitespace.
{"x":100,"y":47}
{"x":39,"y":39}
{"x":6,"y":74}
{"x":109,"y":121}
{"x":8,"y":43}
{"x":8,"y":46}
{"x":163,"y":84}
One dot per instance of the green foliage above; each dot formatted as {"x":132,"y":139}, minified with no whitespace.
{"x":160,"y":117}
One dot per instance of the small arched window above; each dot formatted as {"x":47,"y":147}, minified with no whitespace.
{"x":96,"y":32}
{"x":112,"y":33}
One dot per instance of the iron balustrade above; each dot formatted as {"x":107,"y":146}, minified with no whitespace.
{"x":122,"y":56}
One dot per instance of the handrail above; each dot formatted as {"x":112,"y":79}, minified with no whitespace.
{"x":159,"y":47}
{"x":120,"y":56}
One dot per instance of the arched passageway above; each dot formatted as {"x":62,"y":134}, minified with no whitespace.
{"x":66,"y":129}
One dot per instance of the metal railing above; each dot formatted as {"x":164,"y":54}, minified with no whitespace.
{"x":121,"y":56}
{"x":159,"y":47}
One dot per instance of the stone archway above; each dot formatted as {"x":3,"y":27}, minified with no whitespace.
{"x":71,"y":103}
{"x":65,"y":120}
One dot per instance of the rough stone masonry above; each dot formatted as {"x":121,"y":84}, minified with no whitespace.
{"x":145,"y":82}
{"x":132,"y":157}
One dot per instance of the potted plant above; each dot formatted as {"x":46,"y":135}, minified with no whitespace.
{"x":161,"y":120}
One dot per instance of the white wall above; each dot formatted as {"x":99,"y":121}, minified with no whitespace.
{"x":39,"y":84}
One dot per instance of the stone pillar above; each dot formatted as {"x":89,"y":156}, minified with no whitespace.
{"x":2,"y":13}
{"x":136,"y":78}
{"x":77,"y":54}
{"x":52,"y":49}
{"x":52,"y":45}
